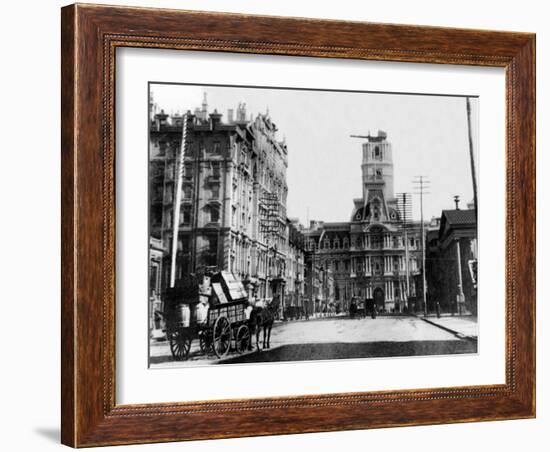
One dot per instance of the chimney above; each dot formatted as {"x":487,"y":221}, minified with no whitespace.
{"x":160,"y":119}
{"x":241,"y":112}
{"x":457,"y":200}
{"x":215,"y":119}
{"x":230,"y":116}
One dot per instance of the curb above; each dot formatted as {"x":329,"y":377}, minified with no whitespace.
{"x":449,"y":330}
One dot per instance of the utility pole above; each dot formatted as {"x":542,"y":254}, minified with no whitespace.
{"x":177,"y":201}
{"x":474,"y":185}
{"x":472,"y":159}
{"x":421,"y":185}
{"x":404,"y":205}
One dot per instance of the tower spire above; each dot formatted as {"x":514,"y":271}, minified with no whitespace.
{"x":204,"y":103}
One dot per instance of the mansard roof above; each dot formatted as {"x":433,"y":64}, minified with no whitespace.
{"x":336,"y":226}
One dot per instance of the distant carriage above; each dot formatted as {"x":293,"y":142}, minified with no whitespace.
{"x":212,"y":310}
{"x":361,"y":306}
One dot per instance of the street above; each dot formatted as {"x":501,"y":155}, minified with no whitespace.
{"x":334,"y":338}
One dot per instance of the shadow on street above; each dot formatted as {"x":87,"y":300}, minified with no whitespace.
{"x":323,"y":351}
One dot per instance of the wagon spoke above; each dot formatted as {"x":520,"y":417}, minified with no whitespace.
{"x":242,"y":339}
{"x":180,"y":345}
{"x":221,"y":336}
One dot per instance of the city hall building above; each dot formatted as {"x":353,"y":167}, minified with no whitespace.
{"x":376,"y":255}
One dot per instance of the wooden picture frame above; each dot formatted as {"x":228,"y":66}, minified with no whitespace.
{"x":90,"y":35}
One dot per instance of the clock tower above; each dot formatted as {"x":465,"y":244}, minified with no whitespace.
{"x":378,"y":200}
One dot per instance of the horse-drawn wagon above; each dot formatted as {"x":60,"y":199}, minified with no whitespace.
{"x":212,"y":309}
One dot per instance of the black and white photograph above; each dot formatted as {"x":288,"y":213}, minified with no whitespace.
{"x":291,"y":224}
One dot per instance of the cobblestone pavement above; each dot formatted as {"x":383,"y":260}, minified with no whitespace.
{"x":337,"y":337}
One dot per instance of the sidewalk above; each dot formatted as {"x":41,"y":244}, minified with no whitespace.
{"x":464,"y":327}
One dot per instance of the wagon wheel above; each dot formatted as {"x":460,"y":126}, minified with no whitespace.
{"x":205,"y":342}
{"x":221,"y":336}
{"x":242,"y":339}
{"x":180,"y":344}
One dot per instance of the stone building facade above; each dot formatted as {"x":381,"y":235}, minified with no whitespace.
{"x":451,"y":262}
{"x":318,"y":285}
{"x":376,"y":255}
{"x":295,"y":269}
{"x":233,"y":200}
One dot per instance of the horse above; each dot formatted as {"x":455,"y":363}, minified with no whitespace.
{"x":262,"y":318}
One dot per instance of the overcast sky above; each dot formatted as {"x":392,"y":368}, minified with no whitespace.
{"x":429,"y":136}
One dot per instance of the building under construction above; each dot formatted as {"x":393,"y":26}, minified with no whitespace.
{"x":376,"y":256}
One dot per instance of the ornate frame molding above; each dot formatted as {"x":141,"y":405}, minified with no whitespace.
{"x":90,"y":37}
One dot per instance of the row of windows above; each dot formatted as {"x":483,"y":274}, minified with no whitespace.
{"x":187,"y":190}
{"x":165,"y":147}
{"x":211,"y":242}
{"x":327,"y":244}
{"x":267,"y":177}
{"x":213,"y":213}
{"x":374,"y":241}
{"x":377,"y":265}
